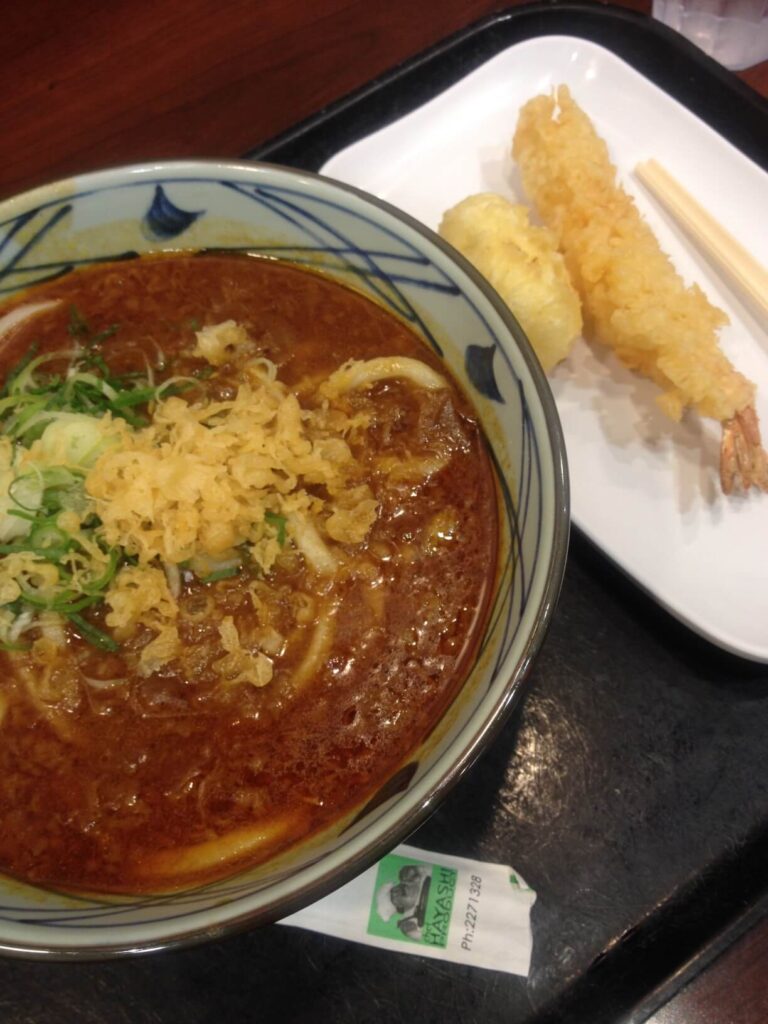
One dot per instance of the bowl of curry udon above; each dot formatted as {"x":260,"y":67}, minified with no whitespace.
{"x":283,"y":519}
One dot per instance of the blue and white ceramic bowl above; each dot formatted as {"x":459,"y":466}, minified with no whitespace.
{"x":363,"y":242}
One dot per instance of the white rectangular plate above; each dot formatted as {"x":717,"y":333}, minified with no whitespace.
{"x":643,"y":488}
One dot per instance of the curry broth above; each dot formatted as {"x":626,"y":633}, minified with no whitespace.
{"x":107,"y":776}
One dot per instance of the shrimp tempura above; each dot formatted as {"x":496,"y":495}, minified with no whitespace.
{"x":633,"y":299}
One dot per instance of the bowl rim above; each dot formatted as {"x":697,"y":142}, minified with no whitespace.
{"x":491,"y":720}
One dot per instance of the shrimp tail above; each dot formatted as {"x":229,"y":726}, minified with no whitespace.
{"x":743,"y":461}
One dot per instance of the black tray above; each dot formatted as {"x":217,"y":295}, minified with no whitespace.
{"x":628,"y":787}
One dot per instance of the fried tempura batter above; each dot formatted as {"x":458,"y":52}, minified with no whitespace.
{"x":633,"y":299}
{"x":522,"y":263}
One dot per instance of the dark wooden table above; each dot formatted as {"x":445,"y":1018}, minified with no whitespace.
{"x":85,"y":84}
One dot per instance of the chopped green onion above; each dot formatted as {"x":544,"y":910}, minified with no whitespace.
{"x":28,"y":488}
{"x":47,"y":539}
{"x":95,"y":361}
{"x":14,"y":549}
{"x":30,"y":516}
{"x":278,"y":524}
{"x":221,"y":574}
{"x":8,"y":646}
{"x":78,"y":326}
{"x":54,"y":398}
{"x":101,"y":582}
{"x":19,"y":368}
{"x":108,"y":332}
{"x":93,"y":635}
{"x":22,"y":379}
{"x":137,"y":396}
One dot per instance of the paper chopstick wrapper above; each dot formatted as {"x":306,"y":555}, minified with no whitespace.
{"x":433,"y":905}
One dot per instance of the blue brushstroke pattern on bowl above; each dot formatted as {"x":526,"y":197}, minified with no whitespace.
{"x":364,"y":243}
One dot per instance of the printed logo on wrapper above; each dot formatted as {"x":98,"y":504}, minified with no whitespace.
{"x":412,"y":901}
{"x":432,"y":905}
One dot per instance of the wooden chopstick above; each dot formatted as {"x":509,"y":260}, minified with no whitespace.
{"x":723,"y":250}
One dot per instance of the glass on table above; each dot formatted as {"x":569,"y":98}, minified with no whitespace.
{"x":734,"y":32}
